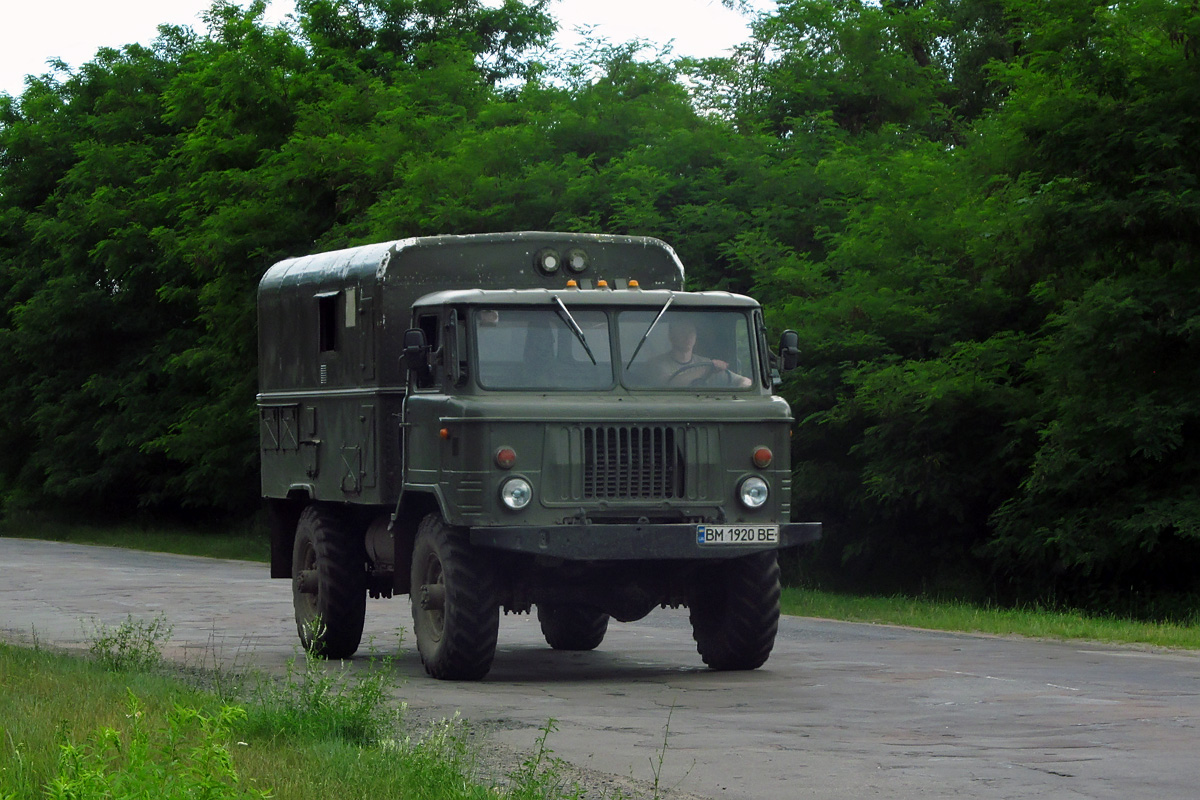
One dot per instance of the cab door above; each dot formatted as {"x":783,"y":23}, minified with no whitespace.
{"x":426,"y":451}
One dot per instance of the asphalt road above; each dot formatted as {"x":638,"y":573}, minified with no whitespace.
{"x":840,"y":710}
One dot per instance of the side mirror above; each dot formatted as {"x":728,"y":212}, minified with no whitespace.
{"x":415,"y":352}
{"x":789,"y":350}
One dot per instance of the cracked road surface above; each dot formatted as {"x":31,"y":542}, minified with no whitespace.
{"x":839,"y":711}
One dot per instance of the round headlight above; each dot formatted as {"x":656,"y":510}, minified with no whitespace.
{"x":753,"y":492}
{"x":516,"y":493}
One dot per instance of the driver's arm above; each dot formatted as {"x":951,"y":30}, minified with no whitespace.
{"x":734,"y":379}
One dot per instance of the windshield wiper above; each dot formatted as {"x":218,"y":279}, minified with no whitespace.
{"x":575,"y":329}
{"x":649,"y":330}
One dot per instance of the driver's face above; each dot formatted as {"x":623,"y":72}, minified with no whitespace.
{"x":684,"y":338}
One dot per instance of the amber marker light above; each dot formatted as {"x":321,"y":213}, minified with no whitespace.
{"x":763,"y":457}
{"x":444,"y":433}
{"x":634,"y":284}
{"x":572,"y":284}
{"x":506,"y":457}
{"x":601,"y":284}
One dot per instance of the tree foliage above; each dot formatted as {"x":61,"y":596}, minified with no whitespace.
{"x":982,"y":217}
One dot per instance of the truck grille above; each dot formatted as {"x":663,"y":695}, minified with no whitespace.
{"x":642,"y":462}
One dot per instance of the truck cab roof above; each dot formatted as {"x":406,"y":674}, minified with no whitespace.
{"x":596,"y":298}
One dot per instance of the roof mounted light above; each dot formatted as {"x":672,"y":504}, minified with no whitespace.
{"x":548,"y":260}
{"x":577,"y":260}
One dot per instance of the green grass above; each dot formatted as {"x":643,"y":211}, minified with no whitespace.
{"x":244,"y":542}
{"x":47,"y":701}
{"x":1033,"y":622}
{"x":110,"y":727}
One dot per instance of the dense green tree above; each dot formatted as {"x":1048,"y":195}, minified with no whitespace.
{"x":382,"y":37}
{"x":1101,"y":129}
{"x":1003,"y":375}
{"x":864,"y":64}
{"x":87,"y":337}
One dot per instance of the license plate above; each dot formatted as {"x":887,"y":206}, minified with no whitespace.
{"x":737,"y":534}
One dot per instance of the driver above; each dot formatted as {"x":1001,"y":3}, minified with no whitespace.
{"x":680,"y":366}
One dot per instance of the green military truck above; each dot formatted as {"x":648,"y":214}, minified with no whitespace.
{"x":509,"y":421}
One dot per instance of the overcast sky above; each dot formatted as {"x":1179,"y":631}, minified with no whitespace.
{"x":31,"y":33}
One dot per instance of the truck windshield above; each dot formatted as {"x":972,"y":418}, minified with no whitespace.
{"x":557,"y":348}
{"x":539,"y":348}
{"x":686,"y":349}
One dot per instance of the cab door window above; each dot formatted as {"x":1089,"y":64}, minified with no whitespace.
{"x":431,"y":325}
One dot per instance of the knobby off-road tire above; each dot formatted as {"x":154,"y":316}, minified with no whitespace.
{"x":571,"y":626}
{"x":735,"y":612}
{"x":329,"y":583}
{"x":458,"y":640}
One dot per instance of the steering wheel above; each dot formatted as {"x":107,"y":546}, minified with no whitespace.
{"x":706,"y":377}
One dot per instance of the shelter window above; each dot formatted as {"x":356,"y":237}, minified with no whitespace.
{"x":327,"y":319}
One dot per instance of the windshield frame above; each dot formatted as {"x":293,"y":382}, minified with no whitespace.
{"x":619,"y":375}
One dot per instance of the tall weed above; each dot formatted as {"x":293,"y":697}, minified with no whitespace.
{"x":132,"y":646}
{"x":542,"y":775}
{"x":317,"y":700}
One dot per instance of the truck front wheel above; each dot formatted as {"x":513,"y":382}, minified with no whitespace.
{"x":735,"y":611}
{"x":571,"y":626}
{"x":456,"y":618}
{"x":329,"y":583}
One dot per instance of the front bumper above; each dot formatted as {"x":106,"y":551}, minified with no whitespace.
{"x":632,"y":542}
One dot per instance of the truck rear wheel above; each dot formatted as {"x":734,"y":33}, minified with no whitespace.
{"x":329,"y":583}
{"x":735,"y":612}
{"x":571,"y":626}
{"x":456,"y":618}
